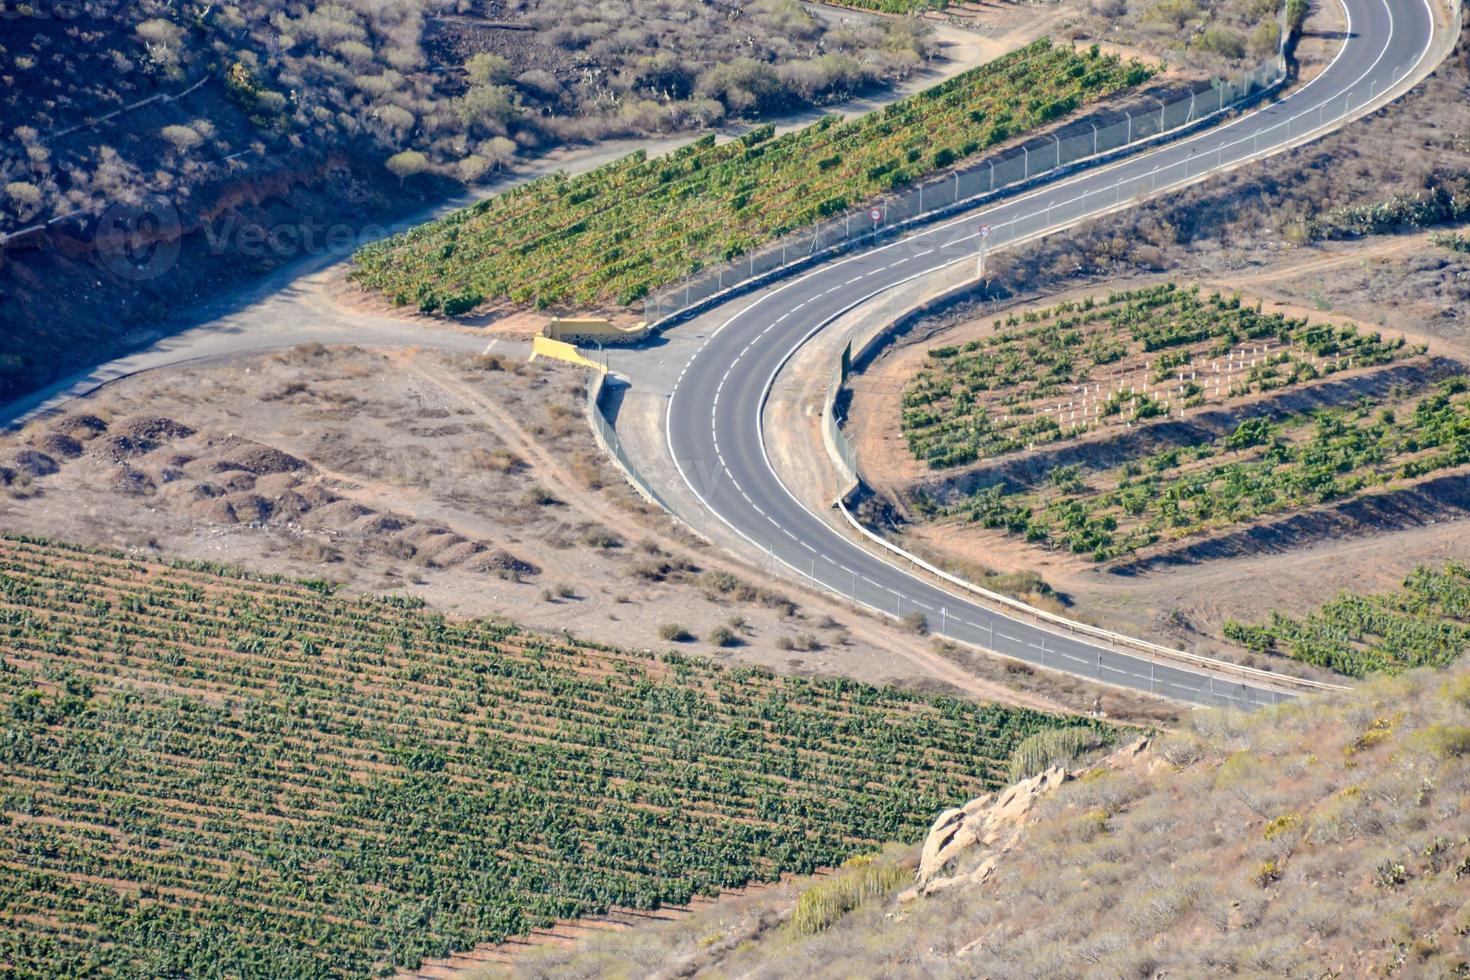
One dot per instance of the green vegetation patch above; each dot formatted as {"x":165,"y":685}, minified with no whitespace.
{"x":1426,"y":623}
{"x":1263,"y":467}
{"x":1053,"y":374}
{"x":203,"y":773}
{"x":1454,"y":241}
{"x":620,"y":231}
{"x":1446,"y":200}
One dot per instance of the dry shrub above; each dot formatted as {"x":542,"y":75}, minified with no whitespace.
{"x":496,"y":460}
{"x":600,"y":537}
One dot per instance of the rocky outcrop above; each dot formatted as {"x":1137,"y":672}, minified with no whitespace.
{"x":977,"y":834}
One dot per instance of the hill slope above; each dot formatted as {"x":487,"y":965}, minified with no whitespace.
{"x":204,"y":773}
{"x":1329,"y":836}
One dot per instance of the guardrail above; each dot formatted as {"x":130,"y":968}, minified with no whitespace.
{"x":1297,"y":128}
{"x":1033,"y":162}
{"x":872,"y":328}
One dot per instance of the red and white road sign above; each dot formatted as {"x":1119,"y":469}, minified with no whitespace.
{"x":876,"y":214}
{"x":984,"y":231}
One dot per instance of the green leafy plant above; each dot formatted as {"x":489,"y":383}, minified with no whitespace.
{"x":1426,"y":623}
{"x":295,"y":784}
{"x":620,"y":231}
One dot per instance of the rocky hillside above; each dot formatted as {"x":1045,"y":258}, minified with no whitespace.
{"x":1327,"y":837}
{"x":103,"y":102}
{"x":153,"y":155}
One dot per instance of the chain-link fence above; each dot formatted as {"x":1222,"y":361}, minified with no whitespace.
{"x":1077,"y":142}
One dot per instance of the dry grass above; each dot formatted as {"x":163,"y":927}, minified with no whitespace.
{"x":1328,"y":834}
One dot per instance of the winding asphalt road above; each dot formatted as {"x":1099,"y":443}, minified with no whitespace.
{"x":713,"y":425}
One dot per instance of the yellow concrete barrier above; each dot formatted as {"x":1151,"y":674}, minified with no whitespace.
{"x":560,"y":350}
{"x":594,"y":330}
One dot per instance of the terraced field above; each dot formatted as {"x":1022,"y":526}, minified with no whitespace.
{"x":616,"y":233}
{"x":1263,"y":467}
{"x":1427,"y":623}
{"x":203,"y":773}
{"x":1112,"y":361}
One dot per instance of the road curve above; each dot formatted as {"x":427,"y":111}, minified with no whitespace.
{"x":713,"y":421}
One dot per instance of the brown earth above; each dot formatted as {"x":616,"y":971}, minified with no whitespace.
{"x":473,"y":482}
{"x":773,"y":901}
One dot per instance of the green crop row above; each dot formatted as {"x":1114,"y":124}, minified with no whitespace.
{"x":620,"y":231}
{"x":206,"y":774}
{"x":984,"y":398}
{"x":1427,"y":623}
{"x":1264,"y":467}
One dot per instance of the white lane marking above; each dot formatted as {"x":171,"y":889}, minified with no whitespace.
{"x":1241,"y":123}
